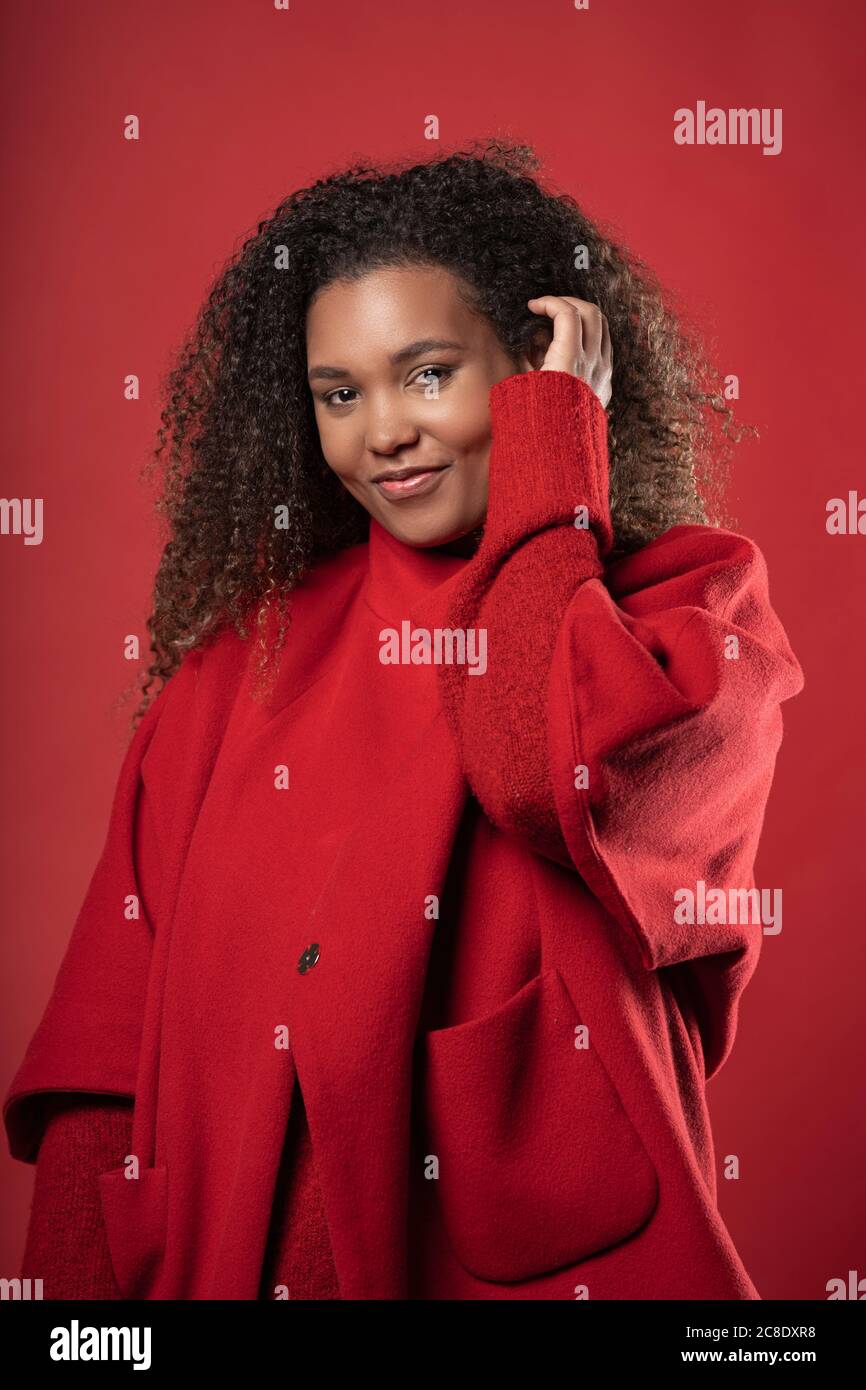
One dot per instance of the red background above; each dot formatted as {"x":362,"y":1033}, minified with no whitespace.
{"x":110,"y":246}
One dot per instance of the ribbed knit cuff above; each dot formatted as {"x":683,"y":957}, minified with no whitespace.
{"x":67,"y":1246}
{"x":548,"y":456}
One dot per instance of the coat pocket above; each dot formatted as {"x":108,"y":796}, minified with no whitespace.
{"x":135,"y":1211}
{"x":539,"y":1164}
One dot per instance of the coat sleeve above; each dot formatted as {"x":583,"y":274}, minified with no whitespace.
{"x":89,"y":1035}
{"x":628,"y":720}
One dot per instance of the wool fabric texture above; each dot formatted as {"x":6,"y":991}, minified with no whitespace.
{"x":436,"y":908}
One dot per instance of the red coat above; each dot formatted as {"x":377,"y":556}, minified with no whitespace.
{"x":501,"y":1031}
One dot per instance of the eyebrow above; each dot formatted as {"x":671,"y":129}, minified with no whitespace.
{"x":416,"y":349}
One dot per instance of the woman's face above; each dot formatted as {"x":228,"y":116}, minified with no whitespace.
{"x":400,"y":370}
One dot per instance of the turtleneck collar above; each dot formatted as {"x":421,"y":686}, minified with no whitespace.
{"x":406,"y":581}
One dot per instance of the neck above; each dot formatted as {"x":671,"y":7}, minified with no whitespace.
{"x":463,"y":545}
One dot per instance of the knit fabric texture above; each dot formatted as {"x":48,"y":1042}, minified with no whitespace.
{"x":67,"y":1247}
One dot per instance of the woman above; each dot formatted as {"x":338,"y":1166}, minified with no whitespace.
{"x":390,"y":941}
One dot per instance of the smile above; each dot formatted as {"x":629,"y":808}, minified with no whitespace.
{"x":416,"y":485}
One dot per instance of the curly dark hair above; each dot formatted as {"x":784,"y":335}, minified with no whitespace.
{"x":239,"y":414}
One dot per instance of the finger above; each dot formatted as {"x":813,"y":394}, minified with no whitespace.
{"x":596,"y":331}
{"x":605,"y":340}
{"x":593,"y":330}
{"x":553,"y":304}
{"x":567,"y":342}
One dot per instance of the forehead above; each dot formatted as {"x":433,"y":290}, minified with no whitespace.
{"x":387,"y":305}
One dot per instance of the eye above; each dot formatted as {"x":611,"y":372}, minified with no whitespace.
{"x":334,"y":404}
{"x":447,"y":370}
{"x":328,"y":401}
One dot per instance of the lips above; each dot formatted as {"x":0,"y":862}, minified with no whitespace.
{"x":411,"y":484}
{"x":400,"y":473}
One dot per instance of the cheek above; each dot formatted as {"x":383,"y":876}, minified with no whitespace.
{"x":339,"y":450}
{"x":465,"y":434}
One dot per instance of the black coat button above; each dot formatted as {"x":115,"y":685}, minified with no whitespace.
{"x":308,"y":958}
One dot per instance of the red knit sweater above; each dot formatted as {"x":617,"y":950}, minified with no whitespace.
{"x":66,"y":1242}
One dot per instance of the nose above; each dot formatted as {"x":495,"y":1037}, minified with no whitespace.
{"x":389,"y":425}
